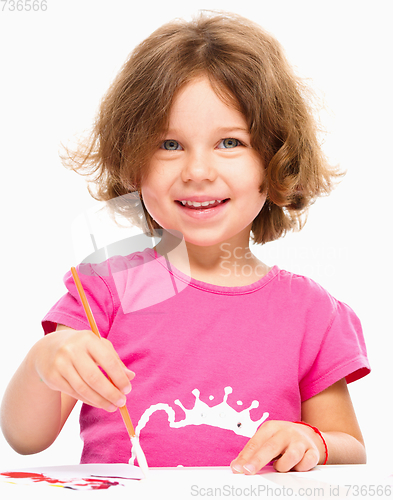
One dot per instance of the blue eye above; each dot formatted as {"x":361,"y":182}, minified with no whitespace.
{"x":170,"y":145}
{"x":229,"y":143}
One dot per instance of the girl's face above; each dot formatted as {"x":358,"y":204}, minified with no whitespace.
{"x":204,"y":179}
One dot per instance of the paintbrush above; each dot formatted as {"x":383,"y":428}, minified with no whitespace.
{"x":123,"y":410}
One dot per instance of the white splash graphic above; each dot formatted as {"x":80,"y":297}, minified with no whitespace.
{"x":222,"y":415}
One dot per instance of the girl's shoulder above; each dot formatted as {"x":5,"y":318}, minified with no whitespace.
{"x":305,"y":294}
{"x":299,"y":283}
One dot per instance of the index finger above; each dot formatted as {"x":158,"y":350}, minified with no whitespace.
{"x":108,"y":359}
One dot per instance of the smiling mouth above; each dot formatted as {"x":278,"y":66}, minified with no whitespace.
{"x":201,"y":205}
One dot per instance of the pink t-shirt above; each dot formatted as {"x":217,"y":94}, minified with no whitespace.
{"x":212,"y":363}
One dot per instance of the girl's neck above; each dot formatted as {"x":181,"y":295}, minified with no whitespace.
{"x":229,"y":263}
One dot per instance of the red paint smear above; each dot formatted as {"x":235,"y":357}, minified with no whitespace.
{"x":100,"y":484}
{"x":37,"y":478}
{"x":94,"y":484}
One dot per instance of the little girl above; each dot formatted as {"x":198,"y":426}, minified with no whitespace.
{"x":236,"y":362}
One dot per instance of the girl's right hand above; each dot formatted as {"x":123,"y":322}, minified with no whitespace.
{"x":69,"y":361}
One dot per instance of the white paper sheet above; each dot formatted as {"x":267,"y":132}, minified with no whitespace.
{"x":123,"y":481}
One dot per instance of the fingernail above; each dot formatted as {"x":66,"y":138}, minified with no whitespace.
{"x":121,"y":402}
{"x":130,"y":372}
{"x":112,"y":408}
{"x":249,"y":468}
{"x":126,"y":390}
{"x":237,"y":468}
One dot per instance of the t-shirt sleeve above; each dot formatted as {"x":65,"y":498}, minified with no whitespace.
{"x":341,"y":353}
{"x":69,"y":311}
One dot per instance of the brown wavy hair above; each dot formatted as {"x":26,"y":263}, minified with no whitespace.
{"x":247,"y":68}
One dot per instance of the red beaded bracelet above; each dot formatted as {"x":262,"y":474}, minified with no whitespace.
{"x":315,"y":429}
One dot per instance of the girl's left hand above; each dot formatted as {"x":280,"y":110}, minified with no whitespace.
{"x":289,"y":445}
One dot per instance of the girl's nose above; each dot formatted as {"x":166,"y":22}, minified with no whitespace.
{"x":198,"y":167}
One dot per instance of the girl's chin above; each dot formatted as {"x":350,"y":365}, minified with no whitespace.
{"x":205,"y":242}
{"x":204,"y":237}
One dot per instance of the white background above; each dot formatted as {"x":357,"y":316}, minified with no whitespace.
{"x":56,"y":65}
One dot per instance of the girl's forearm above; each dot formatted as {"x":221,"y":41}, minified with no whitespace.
{"x":30,"y":413}
{"x":343,"y":449}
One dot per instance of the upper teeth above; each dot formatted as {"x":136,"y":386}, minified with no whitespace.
{"x":199,"y":204}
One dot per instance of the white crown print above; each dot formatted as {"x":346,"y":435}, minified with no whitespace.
{"x":222,"y":415}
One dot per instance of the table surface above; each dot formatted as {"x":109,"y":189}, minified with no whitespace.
{"x":330,"y":481}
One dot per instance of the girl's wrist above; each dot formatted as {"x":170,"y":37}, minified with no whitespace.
{"x":320,"y":443}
